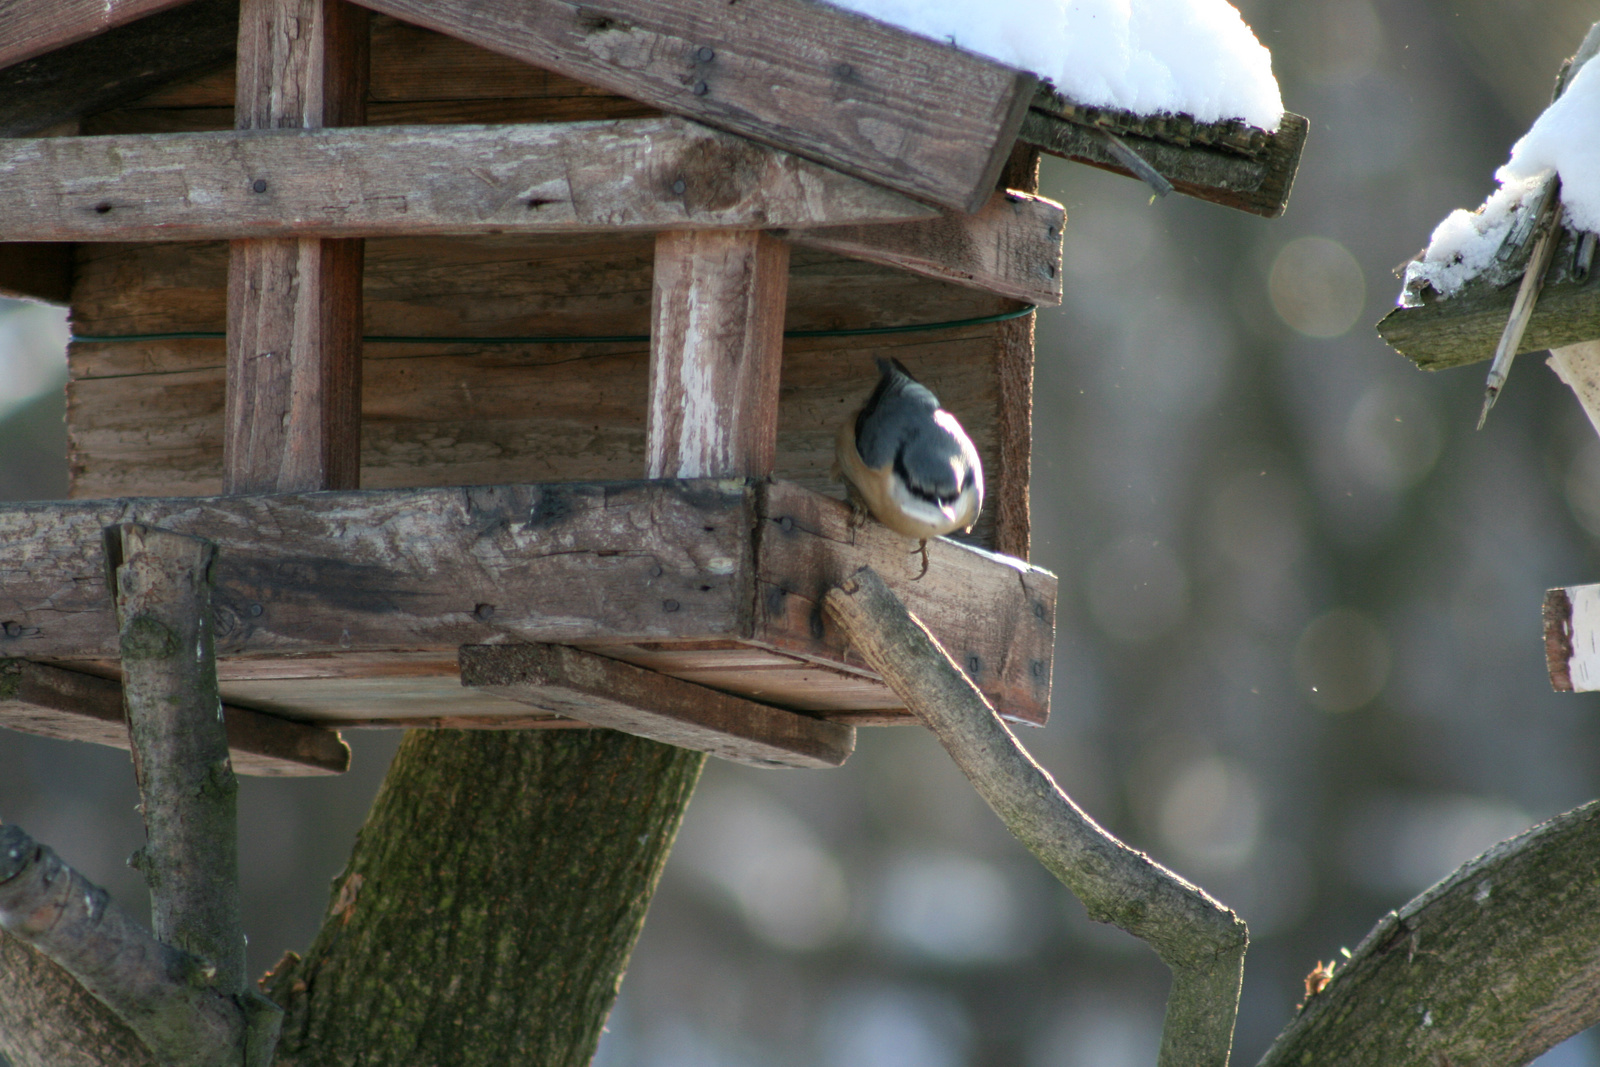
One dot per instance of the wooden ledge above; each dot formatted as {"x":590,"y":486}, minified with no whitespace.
{"x":347,"y":608}
{"x":72,"y":706}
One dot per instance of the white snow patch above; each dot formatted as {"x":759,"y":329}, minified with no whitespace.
{"x":1566,"y":140}
{"x":1195,"y":57}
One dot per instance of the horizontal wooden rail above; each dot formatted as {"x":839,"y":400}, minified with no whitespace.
{"x":631,"y":174}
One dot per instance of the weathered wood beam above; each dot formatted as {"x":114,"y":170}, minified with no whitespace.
{"x":1572,"y":638}
{"x":873,"y":100}
{"x":116,"y":67}
{"x":293,"y":419}
{"x":716,"y":350}
{"x":30,"y":28}
{"x":400,"y":572}
{"x":36,"y":698}
{"x":606,"y":692}
{"x":1010,"y":247}
{"x":1258,"y":183}
{"x":632,"y":174}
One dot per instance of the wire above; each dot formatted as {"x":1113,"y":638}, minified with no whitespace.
{"x":402,"y":339}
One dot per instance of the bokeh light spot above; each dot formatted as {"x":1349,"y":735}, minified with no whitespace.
{"x":1317,"y":287}
{"x":1342,"y":660}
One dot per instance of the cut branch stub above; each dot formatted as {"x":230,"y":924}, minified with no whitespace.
{"x":161,"y":585}
{"x":1200,"y":940}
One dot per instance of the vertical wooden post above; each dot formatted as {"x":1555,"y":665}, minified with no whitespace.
{"x":294,"y":306}
{"x":716,"y":349}
{"x":1010,"y":467}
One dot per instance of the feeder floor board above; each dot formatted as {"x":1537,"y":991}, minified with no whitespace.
{"x":347,"y":608}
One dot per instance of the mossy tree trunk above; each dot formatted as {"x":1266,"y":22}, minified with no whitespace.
{"x":490,"y":905}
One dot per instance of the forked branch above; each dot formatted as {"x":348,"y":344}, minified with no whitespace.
{"x":1199,"y":939}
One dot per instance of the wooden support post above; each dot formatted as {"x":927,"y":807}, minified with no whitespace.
{"x":1200,"y":940}
{"x":293,"y":418}
{"x":716,"y":348}
{"x":161,"y":585}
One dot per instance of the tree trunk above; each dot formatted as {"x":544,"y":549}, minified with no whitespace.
{"x":491,"y":903}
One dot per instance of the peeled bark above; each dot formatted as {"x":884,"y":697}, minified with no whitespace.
{"x":491,"y":903}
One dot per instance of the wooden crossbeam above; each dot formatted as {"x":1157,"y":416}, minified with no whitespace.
{"x":36,"y":698}
{"x":657,"y":566}
{"x":1011,"y":247}
{"x":607,"y":692}
{"x":293,"y":419}
{"x":638,"y":174}
{"x":871,"y":99}
{"x":30,"y":28}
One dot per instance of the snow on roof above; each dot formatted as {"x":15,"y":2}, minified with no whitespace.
{"x":1194,"y":57}
{"x":1566,"y":140}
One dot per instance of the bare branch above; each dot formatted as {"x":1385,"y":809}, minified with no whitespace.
{"x":47,"y":1019}
{"x":1494,"y":964}
{"x":1200,"y":940}
{"x":157,"y":990}
{"x":162,"y":586}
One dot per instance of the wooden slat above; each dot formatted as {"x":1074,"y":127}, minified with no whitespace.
{"x":716,"y":349}
{"x":116,"y":67}
{"x":1012,"y":247}
{"x":639,"y":174}
{"x":30,"y":28}
{"x":872,"y":100}
{"x":293,"y":418}
{"x":396,"y":570}
{"x":995,"y":615}
{"x":1572,"y":638}
{"x":1258,"y":183}
{"x":606,"y":692}
{"x":44,"y":700}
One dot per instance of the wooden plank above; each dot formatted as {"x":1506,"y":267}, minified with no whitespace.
{"x":995,"y":615}
{"x":293,"y":418}
{"x":403,"y":570}
{"x":1258,"y":183}
{"x":1011,"y":247}
{"x":33,"y":271}
{"x":1441,"y":332}
{"x":872,"y":100}
{"x":638,"y":174}
{"x":50,"y":702}
{"x":606,"y":692}
{"x":716,"y":349}
{"x":1572,"y":638}
{"x":31,"y":28}
{"x":116,"y":67}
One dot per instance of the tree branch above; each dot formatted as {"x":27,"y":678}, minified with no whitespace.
{"x":1495,"y":964}
{"x":1200,"y":940}
{"x":157,"y":990}
{"x":47,"y":1019}
{"x":162,"y":587}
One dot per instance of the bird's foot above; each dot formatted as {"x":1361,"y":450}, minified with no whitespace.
{"x":922,"y":547}
{"x":858,"y":516}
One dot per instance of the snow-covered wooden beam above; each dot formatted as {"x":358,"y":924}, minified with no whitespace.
{"x":873,"y":100}
{"x":637,"y":174}
{"x":1572,"y":638}
{"x":36,"y":698}
{"x":1224,"y":163}
{"x":1011,"y":247}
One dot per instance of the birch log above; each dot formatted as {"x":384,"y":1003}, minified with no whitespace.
{"x":1202,"y":941}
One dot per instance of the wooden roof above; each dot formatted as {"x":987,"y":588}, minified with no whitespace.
{"x":932,"y":121}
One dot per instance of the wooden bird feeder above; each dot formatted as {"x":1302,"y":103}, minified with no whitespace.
{"x":499,"y":348}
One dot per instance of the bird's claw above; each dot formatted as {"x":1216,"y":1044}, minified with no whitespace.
{"x":922,"y":547}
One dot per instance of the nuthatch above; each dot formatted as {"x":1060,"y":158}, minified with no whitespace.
{"x":909,"y":461}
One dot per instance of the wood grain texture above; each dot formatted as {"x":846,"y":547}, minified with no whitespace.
{"x":36,"y":698}
{"x":117,"y":67}
{"x":1011,"y":247}
{"x":30,"y":28}
{"x":994,"y":614}
{"x":399,"y":570}
{"x":929,"y":120}
{"x":716,"y":349}
{"x":607,"y":692}
{"x":1012,"y":458}
{"x":1259,"y":184}
{"x":293,"y":418}
{"x":637,"y":174}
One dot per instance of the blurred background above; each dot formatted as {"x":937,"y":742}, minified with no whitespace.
{"x":1300,"y":657}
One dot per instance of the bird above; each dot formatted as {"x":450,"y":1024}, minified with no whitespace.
{"x":908,"y":462}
